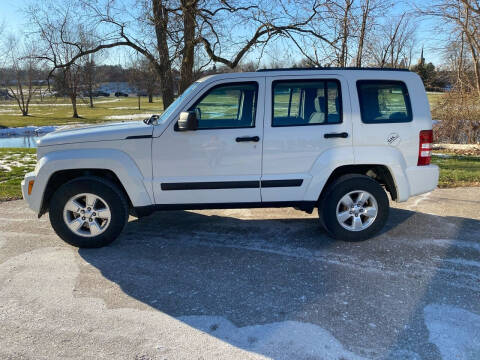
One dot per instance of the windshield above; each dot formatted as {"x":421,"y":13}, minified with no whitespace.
{"x":177,"y":101}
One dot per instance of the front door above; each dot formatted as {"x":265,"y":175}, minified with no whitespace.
{"x":221,"y":161}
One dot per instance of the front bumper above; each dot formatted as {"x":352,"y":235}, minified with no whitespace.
{"x":29,"y":198}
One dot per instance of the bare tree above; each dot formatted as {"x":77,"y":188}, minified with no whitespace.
{"x":340,"y":30}
{"x":369,"y":12}
{"x":144,"y":78}
{"x":89,"y":77}
{"x":24,"y":70}
{"x":61,"y":38}
{"x":180,"y":28}
{"x":464,"y":18}
{"x":341,"y":12}
{"x":68,"y":82}
{"x":393,"y":44}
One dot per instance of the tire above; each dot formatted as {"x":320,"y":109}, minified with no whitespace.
{"x":346,"y":226}
{"x":100,"y":225}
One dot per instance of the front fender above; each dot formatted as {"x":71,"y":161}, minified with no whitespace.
{"x":116,"y":161}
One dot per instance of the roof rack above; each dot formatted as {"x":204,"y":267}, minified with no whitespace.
{"x":335,"y":68}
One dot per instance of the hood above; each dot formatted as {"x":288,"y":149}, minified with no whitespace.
{"x":112,"y":131}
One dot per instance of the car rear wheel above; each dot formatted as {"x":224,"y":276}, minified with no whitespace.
{"x":88,"y":212}
{"x":354,"y":208}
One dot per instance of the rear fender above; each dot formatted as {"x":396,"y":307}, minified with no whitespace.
{"x":332,"y":159}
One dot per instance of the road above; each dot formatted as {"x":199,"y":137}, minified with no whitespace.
{"x":247,"y":284}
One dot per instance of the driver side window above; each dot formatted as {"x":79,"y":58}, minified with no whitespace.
{"x":227,"y":106}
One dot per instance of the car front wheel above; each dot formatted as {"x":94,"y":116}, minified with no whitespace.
{"x":354,"y":208}
{"x":88,"y":212}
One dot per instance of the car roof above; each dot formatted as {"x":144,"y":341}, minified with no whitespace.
{"x":352,"y":72}
{"x":336,"y":69}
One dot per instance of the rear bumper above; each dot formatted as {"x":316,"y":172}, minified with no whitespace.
{"x":422,"y":179}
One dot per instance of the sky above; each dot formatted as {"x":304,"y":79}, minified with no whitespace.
{"x":427,"y":36}
{"x":8,"y":12}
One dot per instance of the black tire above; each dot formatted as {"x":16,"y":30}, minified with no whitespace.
{"x":327,"y":209}
{"x":98,"y":186}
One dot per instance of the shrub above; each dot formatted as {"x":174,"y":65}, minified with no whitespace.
{"x":459,"y":118}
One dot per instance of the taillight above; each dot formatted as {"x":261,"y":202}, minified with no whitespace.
{"x":425,"y":147}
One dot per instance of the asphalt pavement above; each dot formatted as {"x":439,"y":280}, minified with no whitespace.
{"x":246,"y":284}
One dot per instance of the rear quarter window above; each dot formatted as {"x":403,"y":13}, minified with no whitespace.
{"x":384,"y":101}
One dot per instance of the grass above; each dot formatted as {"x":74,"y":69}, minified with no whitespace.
{"x":52,"y":111}
{"x":434,"y":98}
{"x":458,"y":171}
{"x":15,"y":162}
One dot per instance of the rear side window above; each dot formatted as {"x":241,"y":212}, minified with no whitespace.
{"x":297,"y":103}
{"x":384,"y":101}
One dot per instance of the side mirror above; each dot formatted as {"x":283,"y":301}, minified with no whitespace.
{"x":188,"y":121}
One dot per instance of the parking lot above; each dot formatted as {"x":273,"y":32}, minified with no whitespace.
{"x":253,"y":283}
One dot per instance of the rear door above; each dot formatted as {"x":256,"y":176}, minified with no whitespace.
{"x":304,"y":118}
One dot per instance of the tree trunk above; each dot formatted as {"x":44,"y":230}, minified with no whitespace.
{"x":476,"y":62}
{"x":164,"y":67}
{"x":150,"y":98}
{"x":73,"y":98}
{"x":460,"y":63}
{"x":139,"y":103}
{"x":345,"y":33}
{"x":90,"y":94}
{"x":186,"y":70}
{"x":361,"y":39}
{"x":476,"y":67}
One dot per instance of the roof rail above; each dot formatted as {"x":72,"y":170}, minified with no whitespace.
{"x":335,"y":68}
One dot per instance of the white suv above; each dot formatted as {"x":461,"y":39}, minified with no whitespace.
{"x":335,"y":139}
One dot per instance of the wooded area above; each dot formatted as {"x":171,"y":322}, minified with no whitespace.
{"x":171,"y":43}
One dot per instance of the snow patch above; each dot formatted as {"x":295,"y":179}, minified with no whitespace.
{"x":453,"y":243}
{"x":419,"y":200}
{"x":280,"y":340}
{"x":463,"y":262}
{"x":128,"y":116}
{"x":4,"y":166}
{"x":63,"y":104}
{"x":440,"y":155}
{"x":12,"y":159}
{"x":27,"y":131}
{"x":456,"y":332}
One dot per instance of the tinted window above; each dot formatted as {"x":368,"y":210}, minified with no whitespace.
{"x":227,"y":106}
{"x":384,"y":101}
{"x":298,"y":103}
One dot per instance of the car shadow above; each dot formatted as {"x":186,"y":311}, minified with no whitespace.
{"x":258,"y":271}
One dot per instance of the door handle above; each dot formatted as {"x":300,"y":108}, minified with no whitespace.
{"x":247,"y":138}
{"x":336,"y":135}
